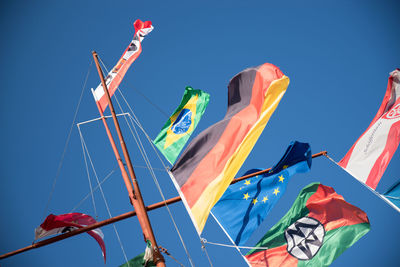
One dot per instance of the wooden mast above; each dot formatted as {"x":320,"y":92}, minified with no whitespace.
{"x":134,"y":195}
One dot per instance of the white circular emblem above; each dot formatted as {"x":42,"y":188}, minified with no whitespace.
{"x":304,"y":238}
{"x":393,"y":113}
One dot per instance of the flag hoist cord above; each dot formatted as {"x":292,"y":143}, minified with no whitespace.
{"x":370,"y":189}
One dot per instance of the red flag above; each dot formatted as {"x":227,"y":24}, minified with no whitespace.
{"x":64,"y":223}
{"x":115,"y":76}
{"x":371,"y":153}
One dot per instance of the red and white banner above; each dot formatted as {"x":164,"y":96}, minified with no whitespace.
{"x":130,"y":54}
{"x":64,"y":223}
{"x":369,"y":156}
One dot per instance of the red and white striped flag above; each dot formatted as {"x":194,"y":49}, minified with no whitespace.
{"x":130,"y":54}
{"x":369,"y":156}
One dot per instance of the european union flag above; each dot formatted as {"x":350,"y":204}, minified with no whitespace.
{"x":245,"y":204}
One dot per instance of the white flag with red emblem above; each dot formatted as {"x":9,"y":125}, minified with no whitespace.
{"x":115,"y":76}
{"x":64,"y":223}
{"x":371,"y":153}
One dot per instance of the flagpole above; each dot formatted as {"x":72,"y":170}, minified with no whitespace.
{"x":119,"y":218}
{"x":136,"y":196}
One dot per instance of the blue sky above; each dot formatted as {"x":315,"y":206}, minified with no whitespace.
{"x":337,"y":54}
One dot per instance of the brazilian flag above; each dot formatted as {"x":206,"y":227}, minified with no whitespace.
{"x":177,"y":130}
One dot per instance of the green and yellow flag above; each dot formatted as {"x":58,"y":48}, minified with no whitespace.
{"x":177,"y":130}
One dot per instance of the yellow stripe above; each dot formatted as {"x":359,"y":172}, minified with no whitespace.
{"x":217,"y":187}
{"x":173,"y":137}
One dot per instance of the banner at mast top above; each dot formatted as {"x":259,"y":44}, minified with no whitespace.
{"x":115,"y":76}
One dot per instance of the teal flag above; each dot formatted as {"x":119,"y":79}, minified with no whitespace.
{"x":177,"y":130}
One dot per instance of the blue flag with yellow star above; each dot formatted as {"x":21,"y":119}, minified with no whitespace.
{"x":245,"y":204}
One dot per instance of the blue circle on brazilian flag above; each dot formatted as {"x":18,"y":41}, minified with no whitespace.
{"x":182,"y":123}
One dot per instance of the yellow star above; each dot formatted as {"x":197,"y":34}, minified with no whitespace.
{"x":285,"y":167}
{"x":255,"y":201}
{"x":246,"y":196}
{"x":281,"y":178}
{"x":265,"y":199}
{"x":247,"y":182}
{"x":276,"y":191}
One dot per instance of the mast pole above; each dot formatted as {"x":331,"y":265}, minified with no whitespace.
{"x":135,"y":196}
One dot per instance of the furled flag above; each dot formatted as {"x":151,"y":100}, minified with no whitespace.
{"x":130,"y":54}
{"x":60,"y":224}
{"x":142,"y":260}
{"x":314,"y":232}
{"x":209,"y":163}
{"x":177,"y":130}
{"x":369,"y":156}
{"x":393,"y":195}
{"x":244,"y":205}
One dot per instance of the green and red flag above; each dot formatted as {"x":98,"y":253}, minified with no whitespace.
{"x":315,"y":231}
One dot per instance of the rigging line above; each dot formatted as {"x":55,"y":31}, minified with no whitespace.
{"x":136,"y":120}
{"x":94,"y":190}
{"x":88,"y":174}
{"x":165,"y":251}
{"x":147,"y":161}
{"x":203,"y":246}
{"x":230,"y":246}
{"x":369,"y":188}
{"x":104,"y":198}
{"x":139,"y":92}
{"x":67,"y":142}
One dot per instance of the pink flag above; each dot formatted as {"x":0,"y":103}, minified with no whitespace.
{"x":371,"y":153}
{"x":130,"y":54}
{"x":59,"y":224}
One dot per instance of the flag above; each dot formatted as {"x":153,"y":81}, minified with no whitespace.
{"x":130,"y":54}
{"x":393,"y":195}
{"x":244,"y":205}
{"x":177,"y":130}
{"x":371,"y":153}
{"x":138,"y":262}
{"x":209,"y":163}
{"x":64,"y":223}
{"x":316,"y":230}
{"x":144,"y":259}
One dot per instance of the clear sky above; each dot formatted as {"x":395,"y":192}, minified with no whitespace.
{"x":337,"y":54}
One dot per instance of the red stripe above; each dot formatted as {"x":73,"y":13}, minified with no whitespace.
{"x":277,"y":256}
{"x":386,"y":98}
{"x":392,"y":142}
{"x":215,"y":161}
{"x":332,"y":210}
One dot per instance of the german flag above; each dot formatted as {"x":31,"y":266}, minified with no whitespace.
{"x":314,"y":232}
{"x":209,"y":163}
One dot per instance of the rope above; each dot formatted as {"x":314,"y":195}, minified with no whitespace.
{"x":67,"y":142}
{"x":104,"y":198}
{"x":139,"y":92}
{"x":94,"y":190}
{"x":369,"y":188}
{"x":230,"y":246}
{"x":87,"y":171}
{"x":203,"y":247}
{"x":164,"y":250}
